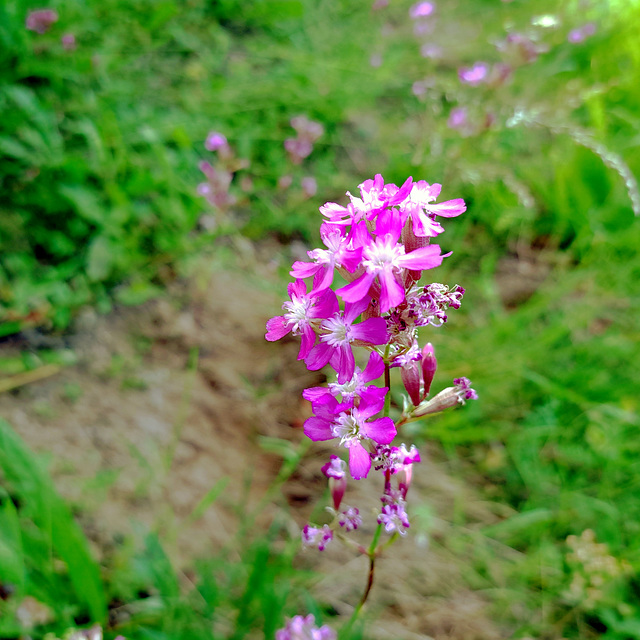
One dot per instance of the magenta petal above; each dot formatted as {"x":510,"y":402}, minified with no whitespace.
{"x":315,"y":394}
{"x":307,"y":341}
{"x":298,"y":288}
{"x":305,"y":269}
{"x":448,"y":209}
{"x":358,"y":289}
{"x":350,"y":259}
{"x":424,"y":226}
{"x":374,"y":368}
{"x":373,"y":330}
{"x":326,"y":305}
{"x":359,"y":461}
{"x":392,"y":293}
{"x":344,"y":363}
{"x":317,"y":429}
{"x":373,"y":395}
{"x":325,"y":282}
{"x":372,"y":405}
{"x":382,"y":430}
{"x":319,"y":356}
{"x":277,"y":328}
{"x":353,"y":309}
{"x":424,"y":258}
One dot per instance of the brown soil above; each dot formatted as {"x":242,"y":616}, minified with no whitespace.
{"x":138,"y":431}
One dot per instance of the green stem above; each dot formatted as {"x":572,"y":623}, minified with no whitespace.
{"x":387,"y":382}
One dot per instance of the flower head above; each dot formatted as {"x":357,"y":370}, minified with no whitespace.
{"x":303,"y":628}
{"x":41,"y":19}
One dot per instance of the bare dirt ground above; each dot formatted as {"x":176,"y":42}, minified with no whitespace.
{"x":167,"y":399}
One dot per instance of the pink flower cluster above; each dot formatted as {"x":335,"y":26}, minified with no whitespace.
{"x":304,"y":628}
{"x":378,"y":244}
{"x":308,"y":131}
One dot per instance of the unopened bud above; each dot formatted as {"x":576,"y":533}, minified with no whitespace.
{"x":449,"y":397}
{"x":429,"y":366}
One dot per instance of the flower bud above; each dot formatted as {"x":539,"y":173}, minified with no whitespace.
{"x":335,"y":472}
{"x":429,"y":366}
{"x":449,"y":397}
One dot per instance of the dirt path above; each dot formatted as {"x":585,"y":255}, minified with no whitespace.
{"x":168,"y":399}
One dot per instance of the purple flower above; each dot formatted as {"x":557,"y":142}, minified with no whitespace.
{"x":421,"y":10}
{"x":337,"y":254}
{"x":307,"y":129}
{"x":309,"y":186}
{"x":349,"y":519}
{"x":423,"y":210}
{"x":300,"y":314}
{"x":474,"y":75}
{"x":215,"y":141}
{"x":353,"y":426}
{"x":68,"y":42}
{"x":393,"y":516}
{"x":385,"y":259}
{"x":41,"y":19}
{"x":430,"y":51}
{"x":457,"y":118}
{"x":303,"y":628}
{"x":338,"y":332}
{"x":298,"y":149}
{"x":582,"y":33}
{"x":317,"y":538}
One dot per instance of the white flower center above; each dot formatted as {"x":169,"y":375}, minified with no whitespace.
{"x":297,"y":311}
{"x":338,"y":332}
{"x":381,"y":256}
{"x":346,"y":428}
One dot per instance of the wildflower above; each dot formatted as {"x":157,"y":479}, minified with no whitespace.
{"x":68,"y":42}
{"x":432,"y":51}
{"x":338,"y":332}
{"x":303,"y":309}
{"x":474,"y":75}
{"x":393,"y":515}
{"x":582,"y":33}
{"x":421,"y":10}
{"x":317,"y":538}
{"x":457,"y":118}
{"x":337,"y":254}
{"x":216,"y":141}
{"x":41,"y":19}
{"x":309,"y":186}
{"x":449,"y":397}
{"x":421,"y":207}
{"x":385,"y":259}
{"x":303,"y":628}
{"x":349,"y":519}
{"x":353,"y":426}
{"x":335,"y":472}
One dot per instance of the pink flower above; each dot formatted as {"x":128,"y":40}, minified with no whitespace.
{"x":309,"y":186}
{"x":317,"y":538}
{"x":474,"y":75}
{"x":301,"y":628}
{"x":457,"y":118}
{"x":421,"y":10}
{"x":215,"y":141}
{"x":41,"y":19}
{"x":338,"y":332}
{"x":68,"y":42}
{"x":421,"y":207}
{"x":352,"y":426}
{"x":337,"y":254}
{"x":300,"y":314}
{"x":384,"y":259}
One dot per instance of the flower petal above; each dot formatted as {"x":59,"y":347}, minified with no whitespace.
{"x":277,"y":328}
{"x":359,"y":461}
{"x":317,"y":429}
{"x":382,"y":430}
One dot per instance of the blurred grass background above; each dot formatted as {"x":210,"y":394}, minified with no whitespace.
{"x":99,"y":153}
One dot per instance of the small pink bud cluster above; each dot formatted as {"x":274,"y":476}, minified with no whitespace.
{"x":41,"y":20}
{"x":307,"y":132}
{"x":216,"y":190}
{"x":303,"y":628}
{"x":581,"y":33}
